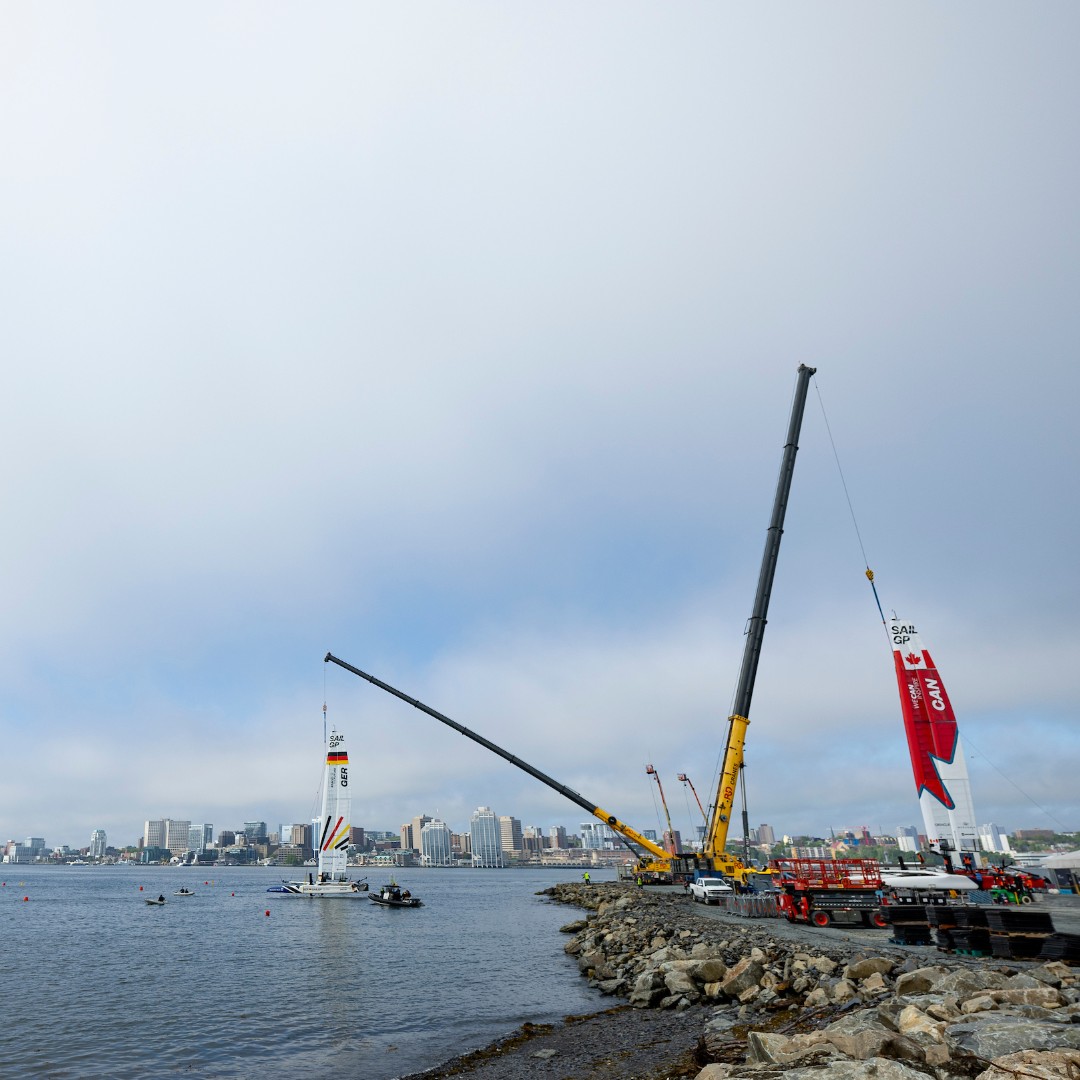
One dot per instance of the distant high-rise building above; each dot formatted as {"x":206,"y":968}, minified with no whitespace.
{"x":435,"y":844}
{"x":992,"y":838}
{"x":907,"y":838}
{"x":255,"y":831}
{"x":766,"y":835}
{"x":557,"y":837}
{"x":410,"y":833}
{"x":596,"y":836}
{"x":485,"y":840}
{"x":177,"y":835}
{"x":510,"y":833}
{"x":154,"y":834}
{"x":226,"y":838}
{"x":200,"y":837}
{"x":98,"y":843}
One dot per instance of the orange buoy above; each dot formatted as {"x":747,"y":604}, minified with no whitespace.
{"x":27,"y":898}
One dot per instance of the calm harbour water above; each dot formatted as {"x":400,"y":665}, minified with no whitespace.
{"x":95,"y":983}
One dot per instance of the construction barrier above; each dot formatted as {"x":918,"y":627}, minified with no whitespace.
{"x":759,"y":906}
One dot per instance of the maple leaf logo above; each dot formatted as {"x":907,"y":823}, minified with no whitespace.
{"x":912,"y":659}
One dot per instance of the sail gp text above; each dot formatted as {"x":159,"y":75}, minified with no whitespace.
{"x":901,"y":635}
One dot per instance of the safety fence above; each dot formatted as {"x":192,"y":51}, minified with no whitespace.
{"x":752,"y":906}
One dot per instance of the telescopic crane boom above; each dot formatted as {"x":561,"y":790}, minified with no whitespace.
{"x":624,"y":830}
{"x":670,"y":845}
{"x":717,"y":829}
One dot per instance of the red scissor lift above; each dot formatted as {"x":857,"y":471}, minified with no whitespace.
{"x":824,"y":891}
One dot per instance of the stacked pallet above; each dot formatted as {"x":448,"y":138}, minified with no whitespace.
{"x":971,"y":935}
{"x":1018,"y":933}
{"x":943,"y":920}
{"x":1062,"y":947}
{"x":909,"y":924}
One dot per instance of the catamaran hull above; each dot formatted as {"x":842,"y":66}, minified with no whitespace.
{"x":323,"y":890}
{"x":928,"y":881}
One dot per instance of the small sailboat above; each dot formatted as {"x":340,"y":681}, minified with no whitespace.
{"x":333,"y":841}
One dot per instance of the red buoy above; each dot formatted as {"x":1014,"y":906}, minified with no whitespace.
{"x":267,"y":911}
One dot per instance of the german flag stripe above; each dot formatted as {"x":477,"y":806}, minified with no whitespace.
{"x":334,"y":836}
{"x":337,"y":757}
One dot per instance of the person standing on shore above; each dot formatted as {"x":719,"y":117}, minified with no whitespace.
{"x":585,"y":877}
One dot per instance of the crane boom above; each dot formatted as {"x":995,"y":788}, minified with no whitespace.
{"x":716,"y":833}
{"x":624,"y":830}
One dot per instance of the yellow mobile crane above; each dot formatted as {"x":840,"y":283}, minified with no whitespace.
{"x":714,"y":858}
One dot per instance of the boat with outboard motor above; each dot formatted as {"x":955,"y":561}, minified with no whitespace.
{"x":159,"y":902}
{"x":393,"y":895}
{"x":184,"y":891}
{"x":334,"y":839}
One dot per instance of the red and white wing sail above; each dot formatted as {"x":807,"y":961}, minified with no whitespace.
{"x":937,"y":755}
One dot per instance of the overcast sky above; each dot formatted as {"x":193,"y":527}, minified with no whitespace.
{"x":460,"y":340}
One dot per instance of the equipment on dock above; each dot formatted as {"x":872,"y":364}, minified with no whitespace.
{"x":824,"y":891}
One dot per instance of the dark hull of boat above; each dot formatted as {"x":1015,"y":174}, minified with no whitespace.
{"x":411,"y":902}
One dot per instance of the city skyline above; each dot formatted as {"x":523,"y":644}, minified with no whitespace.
{"x":908,"y":837}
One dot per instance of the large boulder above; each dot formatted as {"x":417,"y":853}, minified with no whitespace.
{"x":858,"y":970}
{"x":919,"y":981}
{"x":860,"y":1035}
{"x":746,"y":973}
{"x":1050,"y":1064}
{"x":1000,"y":1034}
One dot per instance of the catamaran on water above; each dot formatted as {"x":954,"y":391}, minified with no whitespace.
{"x":333,"y":842}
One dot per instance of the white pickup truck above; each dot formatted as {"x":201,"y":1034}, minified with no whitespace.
{"x":708,"y":890}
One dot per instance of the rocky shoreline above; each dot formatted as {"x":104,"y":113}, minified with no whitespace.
{"x":714,"y":999}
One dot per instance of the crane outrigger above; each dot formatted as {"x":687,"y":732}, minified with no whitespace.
{"x":713,"y":859}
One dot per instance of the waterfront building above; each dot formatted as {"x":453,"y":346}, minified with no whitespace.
{"x":486,"y":841}
{"x":226,"y":838}
{"x":255,"y":832}
{"x":177,"y":835}
{"x":154,"y":834}
{"x":557,"y":837}
{"x":596,"y":836}
{"x":98,"y":844}
{"x":200,"y":837}
{"x":410,"y":833}
{"x":435,"y":844}
{"x":510,"y":833}
{"x":992,"y":838}
{"x":907,"y":838}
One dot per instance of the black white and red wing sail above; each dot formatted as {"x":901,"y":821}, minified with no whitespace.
{"x":937,"y":754}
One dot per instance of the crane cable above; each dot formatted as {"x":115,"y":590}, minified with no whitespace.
{"x":877,"y":600}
